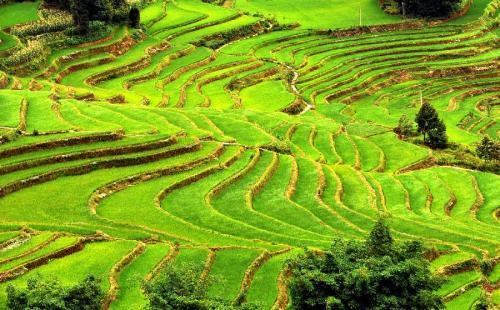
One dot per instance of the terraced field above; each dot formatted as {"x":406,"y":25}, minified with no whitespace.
{"x":178,"y":144}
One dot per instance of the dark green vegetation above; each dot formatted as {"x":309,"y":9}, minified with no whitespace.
{"x":224,"y":136}
{"x":49,"y":294}
{"x":376,"y":274}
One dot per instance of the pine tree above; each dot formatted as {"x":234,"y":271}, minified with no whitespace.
{"x":134,"y":17}
{"x":488,"y":149}
{"x":427,"y":118}
{"x":380,"y":240}
{"x":437,"y":136}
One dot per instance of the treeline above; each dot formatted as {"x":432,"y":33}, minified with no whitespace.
{"x":108,"y":11}
{"x":422,"y":8}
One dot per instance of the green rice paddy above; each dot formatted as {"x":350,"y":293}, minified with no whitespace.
{"x":273,"y":141}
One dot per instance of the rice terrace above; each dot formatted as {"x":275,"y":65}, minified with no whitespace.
{"x":229,"y":137}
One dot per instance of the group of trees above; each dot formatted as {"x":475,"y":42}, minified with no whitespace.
{"x":108,"y":11}
{"x":433,"y":128}
{"x":428,"y":8}
{"x":43,"y":293}
{"x":488,"y":149}
{"x":429,"y":124}
{"x":375,"y":274}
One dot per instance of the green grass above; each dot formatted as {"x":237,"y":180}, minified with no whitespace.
{"x":465,"y":300}
{"x":277,"y":180}
{"x":318,"y":14}
{"x":18,"y":13}
{"x":130,"y":294}
{"x":266,"y":96}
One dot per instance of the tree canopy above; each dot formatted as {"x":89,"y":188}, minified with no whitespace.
{"x":429,"y":124}
{"x":43,"y":293}
{"x":429,"y":8}
{"x":375,"y":274}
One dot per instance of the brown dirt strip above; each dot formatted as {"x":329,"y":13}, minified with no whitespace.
{"x":252,"y":270}
{"x":114,"y":288}
{"x":212,"y":255}
{"x":87,"y":168}
{"x":23,"y":115}
{"x":172,"y":253}
{"x":32,"y":250}
{"x":26,"y":267}
{"x":282,"y":299}
{"x":101,"y":137}
{"x":89,"y":154}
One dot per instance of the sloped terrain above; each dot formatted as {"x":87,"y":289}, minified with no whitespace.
{"x":222,"y":138}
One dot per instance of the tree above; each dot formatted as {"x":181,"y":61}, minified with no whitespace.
{"x":426,"y":119}
{"x":375,"y":274}
{"x":429,"y":124}
{"x":437,"y":136}
{"x":86,"y":295}
{"x":405,"y":126}
{"x":488,"y":149}
{"x":134,"y":17}
{"x":80,"y":12}
{"x":50,"y":294}
{"x":85,"y":11}
{"x":380,"y":241}
{"x":429,"y":8}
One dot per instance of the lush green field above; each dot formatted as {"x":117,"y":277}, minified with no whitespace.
{"x":236,"y":151}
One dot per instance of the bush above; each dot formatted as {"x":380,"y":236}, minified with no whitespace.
{"x":50,"y":294}
{"x":430,"y":8}
{"x":405,"y":126}
{"x":52,"y":20}
{"x":488,"y":149}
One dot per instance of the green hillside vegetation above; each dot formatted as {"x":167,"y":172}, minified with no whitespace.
{"x":232,"y":135}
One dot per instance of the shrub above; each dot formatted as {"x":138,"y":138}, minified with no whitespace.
{"x":405,"y":126}
{"x":50,"y":294}
{"x":52,"y":20}
{"x":429,"y":8}
{"x":488,"y":149}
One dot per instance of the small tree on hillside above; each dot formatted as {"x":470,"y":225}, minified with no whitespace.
{"x":376,"y":274}
{"x":429,"y":8}
{"x":437,"y":136}
{"x":426,"y":119}
{"x":429,"y":124}
{"x":50,"y":294}
{"x":488,"y":149}
{"x":405,"y":126}
{"x":134,"y":17}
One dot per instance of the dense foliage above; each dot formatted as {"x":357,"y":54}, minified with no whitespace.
{"x":433,"y":128}
{"x":50,"y":294}
{"x":405,"y":126}
{"x":376,"y":274}
{"x":429,"y":8}
{"x":488,"y":149}
{"x":85,"y":11}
